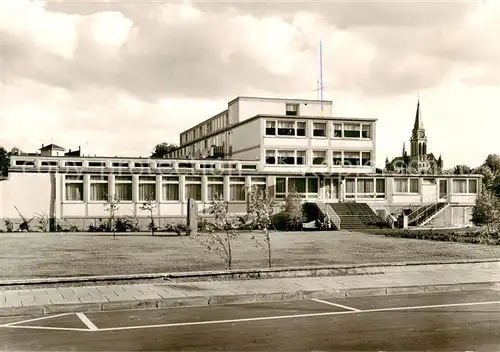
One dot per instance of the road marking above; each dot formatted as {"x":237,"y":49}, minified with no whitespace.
{"x":310,"y":315}
{"x":35,"y":319}
{"x":335,"y":304}
{"x":93,"y":328}
{"x":46,"y":328}
{"x":87,"y":321}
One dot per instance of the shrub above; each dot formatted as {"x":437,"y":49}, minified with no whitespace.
{"x":470,"y":236}
{"x":9,"y":225}
{"x":127,"y":224}
{"x":178,"y":228}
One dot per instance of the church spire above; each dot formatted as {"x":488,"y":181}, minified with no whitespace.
{"x":419,"y":124}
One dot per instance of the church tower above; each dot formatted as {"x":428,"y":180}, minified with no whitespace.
{"x":418,"y":149}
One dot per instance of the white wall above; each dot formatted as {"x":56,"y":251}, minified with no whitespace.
{"x":244,"y":109}
{"x":244,"y":137}
{"x":29,"y":192}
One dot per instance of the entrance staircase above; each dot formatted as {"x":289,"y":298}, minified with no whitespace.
{"x":426,"y":213}
{"x":357,"y":216}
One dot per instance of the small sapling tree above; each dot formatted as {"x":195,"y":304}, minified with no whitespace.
{"x":260,"y":210}
{"x":222,"y":234}
{"x":150,"y":205}
{"x":111,"y":206}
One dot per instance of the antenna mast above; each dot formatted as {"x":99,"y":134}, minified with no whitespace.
{"x":321,"y":75}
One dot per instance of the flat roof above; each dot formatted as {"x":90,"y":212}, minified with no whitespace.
{"x":328,"y":102}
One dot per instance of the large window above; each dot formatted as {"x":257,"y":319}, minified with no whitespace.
{"x":215,"y":186}
{"x":286,"y":128}
{"x":472,"y":186}
{"x":237,"y":189}
{"x":319,"y":157}
{"x":459,"y":186}
{"x":413,"y":185}
{"x":123,"y":188}
{"x":380,"y":188}
{"x":306,"y":187}
{"x":366,"y":131}
{"x":270,"y":157}
{"x":301,"y":157}
{"x":401,"y":185}
{"x":337,"y":158}
{"x":337,"y":130}
{"x":98,"y":188}
{"x":74,"y":188}
{"x":366,"y":186}
{"x":319,"y":129}
{"x":170,"y":188}
{"x":270,"y":128}
{"x":366,"y":158}
{"x":193,"y":188}
{"x":147,"y":188}
{"x":350,"y":187}
{"x":352,"y":130}
{"x":292,"y":109}
{"x":286,"y":157}
{"x":301,"y":128}
{"x":259,"y":182}
{"x":405,"y":185}
{"x":351,"y":158}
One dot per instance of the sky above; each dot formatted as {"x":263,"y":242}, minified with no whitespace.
{"x":118,"y":77}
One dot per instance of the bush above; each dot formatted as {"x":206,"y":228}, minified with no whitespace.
{"x":127,"y":224}
{"x":101,"y":226}
{"x":285,"y":221}
{"x":178,"y":228}
{"x":470,"y":236}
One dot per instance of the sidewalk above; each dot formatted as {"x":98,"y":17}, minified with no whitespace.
{"x":113,"y":297}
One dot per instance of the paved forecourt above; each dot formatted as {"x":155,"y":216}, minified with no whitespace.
{"x":462,"y":320}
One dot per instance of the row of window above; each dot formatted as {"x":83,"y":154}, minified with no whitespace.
{"x":459,"y":186}
{"x":207,"y":128}
{"x":319,"y":129}
{"x":169,"y":188}
{"x":319,"y":157}
{"x":145,"y":166}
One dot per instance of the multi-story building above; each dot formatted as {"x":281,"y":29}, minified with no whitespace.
{"x":277,"y":144}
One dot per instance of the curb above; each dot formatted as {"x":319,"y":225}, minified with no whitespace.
{"x":245,"y":298}
{"x":258,"y":273}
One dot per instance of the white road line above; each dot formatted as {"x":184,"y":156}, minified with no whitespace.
{"x":46,"y":328}
{"x":35,"y":319}
{"x":87,"y":321}
{"x":335,"y":304}
{"x":311,"y":315}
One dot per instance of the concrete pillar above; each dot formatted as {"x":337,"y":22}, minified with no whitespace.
{"x":192,"y":217}
{"x":405,"y":221}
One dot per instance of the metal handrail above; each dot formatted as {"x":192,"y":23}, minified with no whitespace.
{"x":330,"y":214}
{"x":421,"y":203}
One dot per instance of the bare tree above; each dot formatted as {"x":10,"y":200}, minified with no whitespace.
{"x":223,"y":232}
{"x":111,"y":206}
{"x":150,"y":205}
{"x":260,"y":210}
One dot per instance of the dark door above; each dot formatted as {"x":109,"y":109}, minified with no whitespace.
{"x":443,"y":189}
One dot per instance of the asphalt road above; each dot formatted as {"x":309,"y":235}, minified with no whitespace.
{"x":466,"y":320}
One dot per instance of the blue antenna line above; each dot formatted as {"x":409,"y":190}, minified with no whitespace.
{"x":321,"y":74}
